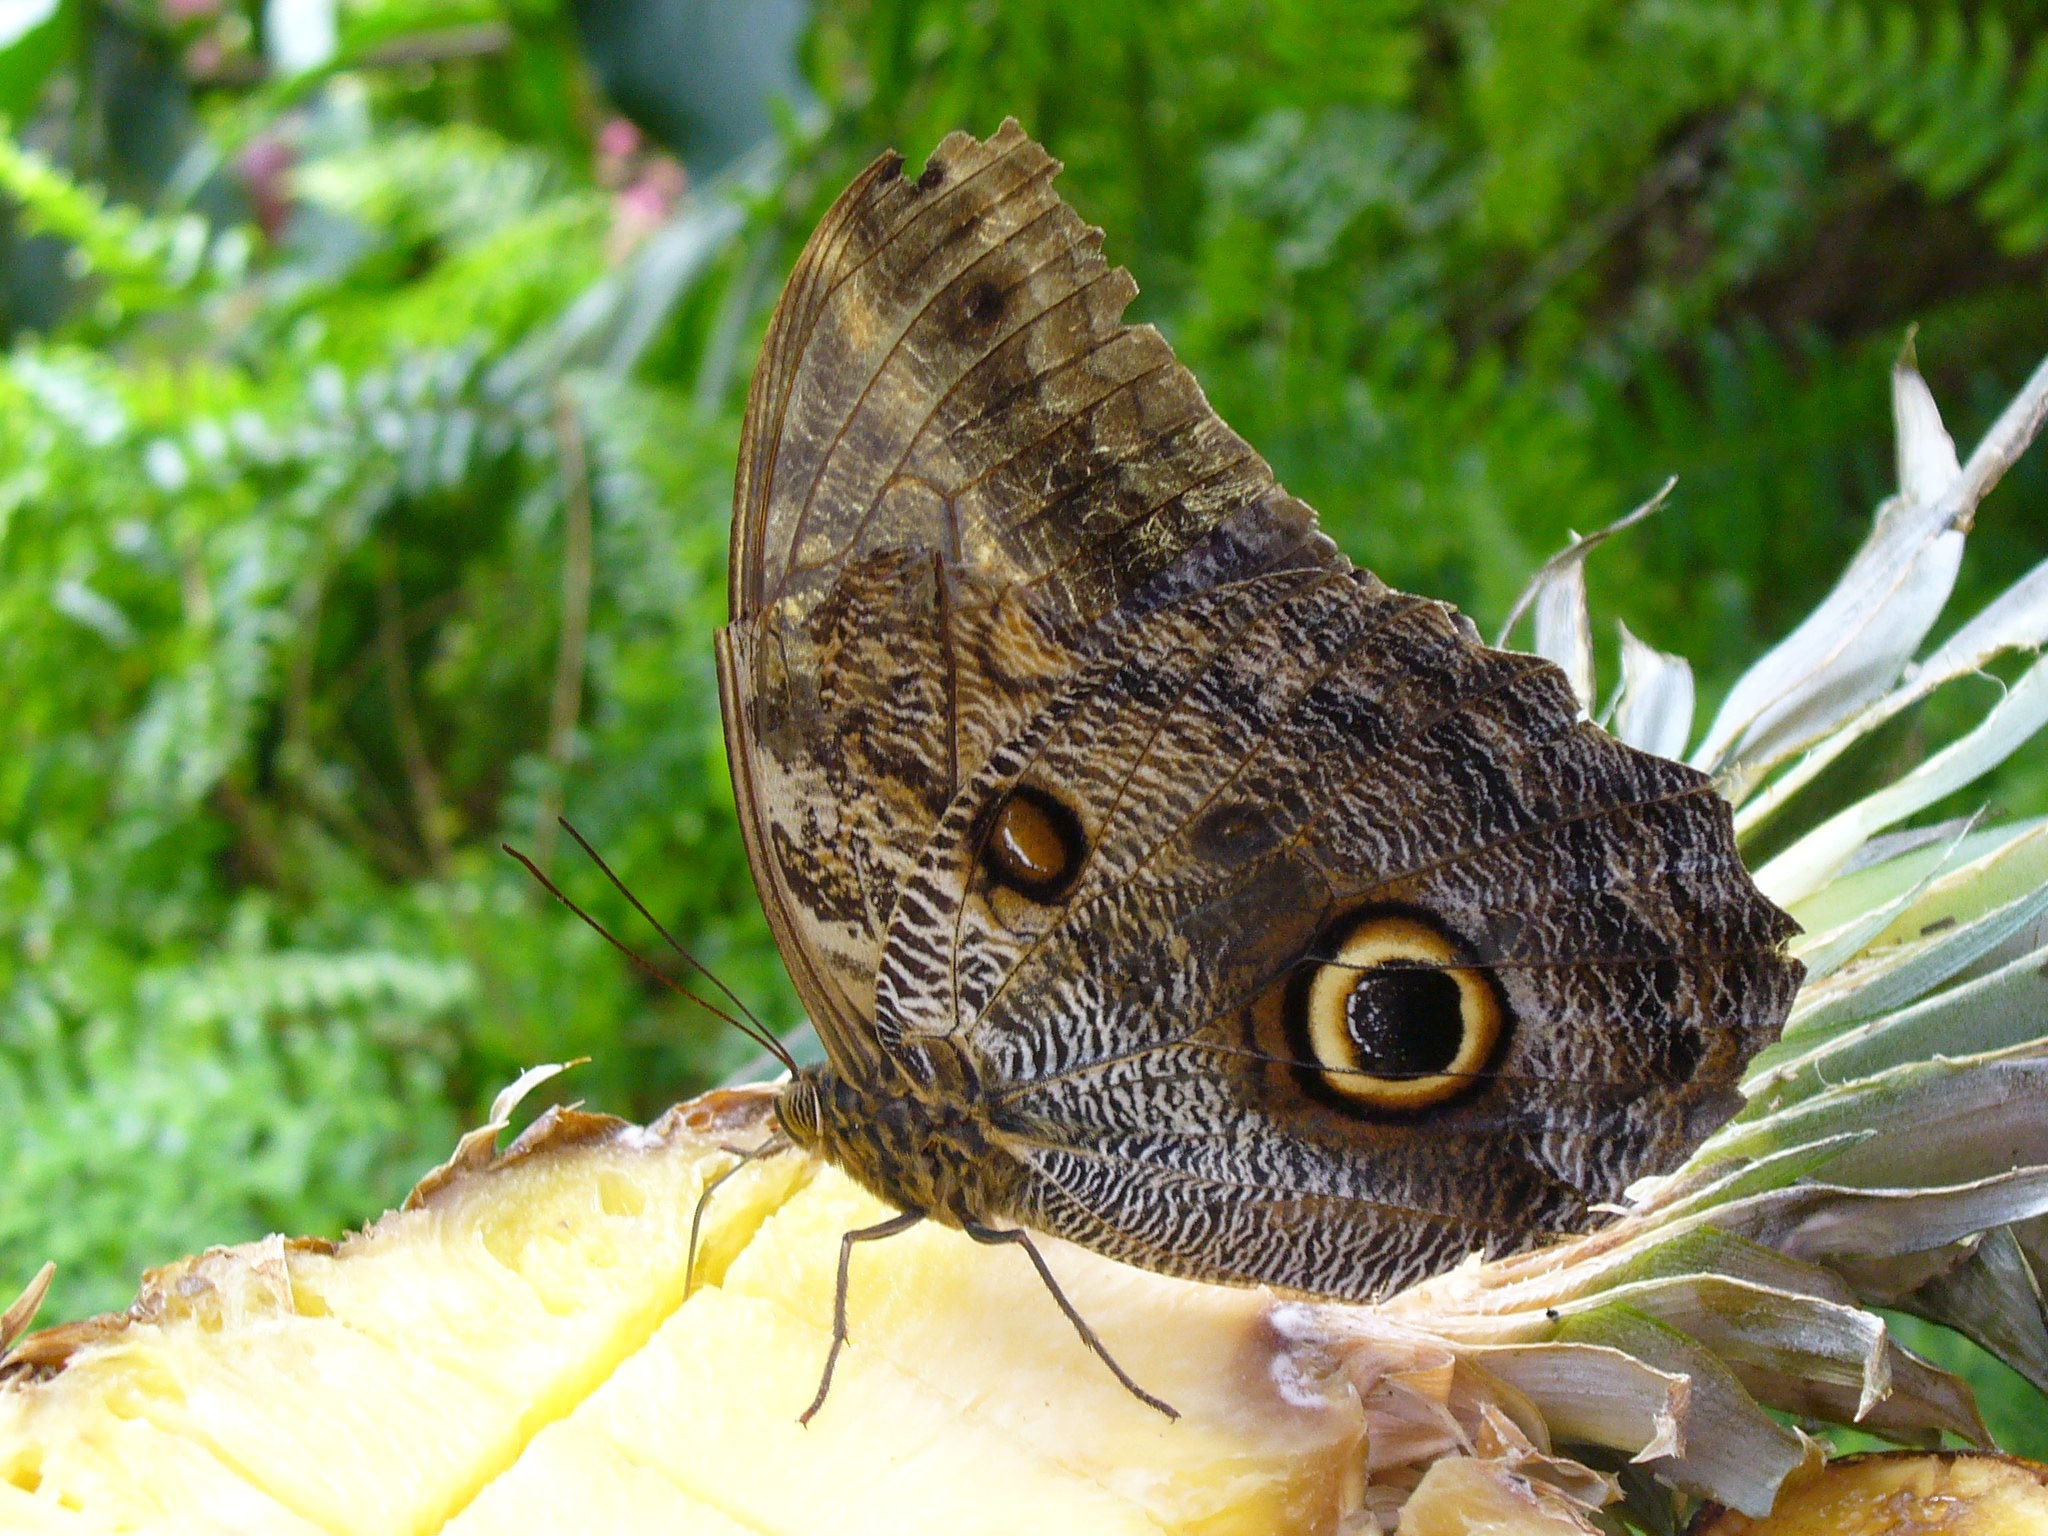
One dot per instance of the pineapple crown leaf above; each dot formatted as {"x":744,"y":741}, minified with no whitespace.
{"x":1893,"y":1147}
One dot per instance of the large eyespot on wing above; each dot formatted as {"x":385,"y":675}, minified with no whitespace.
{"x":1034,"y":845}
{"x":1389,"y":1015}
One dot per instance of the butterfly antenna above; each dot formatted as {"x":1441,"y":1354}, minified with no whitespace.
{"x":710,"y":975}
{"x":759,"y":1036}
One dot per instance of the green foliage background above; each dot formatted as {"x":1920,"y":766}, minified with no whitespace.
{"x":363,"y":485}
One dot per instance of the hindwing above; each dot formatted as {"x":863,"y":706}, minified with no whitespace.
{"x":1253,"y":772}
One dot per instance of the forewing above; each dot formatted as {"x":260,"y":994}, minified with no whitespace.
{"x":1248,"y":767}
{"x":959,"y":469}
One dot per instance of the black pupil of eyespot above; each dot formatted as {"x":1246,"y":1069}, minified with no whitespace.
{"x":1404,"y":1020}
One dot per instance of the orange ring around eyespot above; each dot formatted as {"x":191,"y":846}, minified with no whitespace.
{"x":1374,"y":942}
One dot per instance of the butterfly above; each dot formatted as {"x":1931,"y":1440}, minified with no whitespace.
{"x":1153,"y":876}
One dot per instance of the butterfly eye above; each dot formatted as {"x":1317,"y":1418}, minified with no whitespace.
{"x":800,"y":1109}
{"x":1034,"y":844}
{"x":1392,"y":1019}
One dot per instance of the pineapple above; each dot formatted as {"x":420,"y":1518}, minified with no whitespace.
{"x":1901,"y":1491}
{"x":517,"y":1343}
{"x":528,"y":1340}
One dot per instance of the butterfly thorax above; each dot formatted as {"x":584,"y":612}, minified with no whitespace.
{"x":919,"y":1149}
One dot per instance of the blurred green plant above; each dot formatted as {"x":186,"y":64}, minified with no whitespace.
{"x":366,"y":429}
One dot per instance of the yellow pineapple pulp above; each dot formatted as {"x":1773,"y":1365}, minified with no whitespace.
{"x":516,"y":1347}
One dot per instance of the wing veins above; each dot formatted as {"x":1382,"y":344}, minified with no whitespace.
{"x":1071,"y":912}
{"x":803,"y":512}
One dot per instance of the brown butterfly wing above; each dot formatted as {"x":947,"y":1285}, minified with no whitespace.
{"x":957,"y":462}
{"x":986,"y":536}
{"x":1245,"y":768}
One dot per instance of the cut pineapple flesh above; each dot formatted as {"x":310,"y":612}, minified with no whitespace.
{"x":1465,"y":1496}
{"x":515,"y":1352}
{"x":1902,"y":1493}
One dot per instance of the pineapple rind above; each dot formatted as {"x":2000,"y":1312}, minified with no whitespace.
{"x":1901,"y":1494}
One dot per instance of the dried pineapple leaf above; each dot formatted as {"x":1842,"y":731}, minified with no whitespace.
{"x":1898,"y":861}
{"x":1897,"y":976}
{"x":1993,"y":1297}
{"x":15,"y":1320}
{"x":2008,"y":1007}
{"x":1653,"y":709}
{"x":1937,"y":1122}
{"x":1595,"y":1392}
{"x":1573,"y":557}
{"x":1739,"y":1455}
{"x":1763,"y":1334}
{"x":1915,"y":1094}
{"x":1802,"y":868}
{"x":1424,"y":1392}
{"x":1563,"y":630}
{"x":1982,"y":878}
{"x":1713,"y":1178}
{"x":1851,"y":648}
{"x":1923,"y":1403}
{"x":1708,"y":1250}
{"x":1831,"y":1222}
{"x":1826,"y":951}
{"x":2016,"y":620}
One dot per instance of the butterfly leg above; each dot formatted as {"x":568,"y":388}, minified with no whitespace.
{"x":768,"y":1148}
{"x":901,"y":1222}
{"x":1022,"y":1239}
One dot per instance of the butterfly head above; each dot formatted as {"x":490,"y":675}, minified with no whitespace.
{"x":800,"y":1107}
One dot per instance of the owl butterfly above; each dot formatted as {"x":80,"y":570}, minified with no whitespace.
{"x":1154,"y":876}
